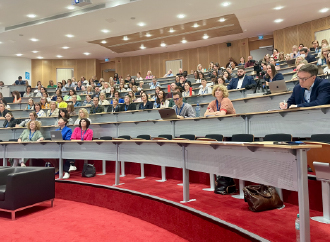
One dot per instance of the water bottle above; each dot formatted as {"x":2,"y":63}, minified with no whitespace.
{"x":198,"y":110}
{"x":297,"y":225}
{"x":155,"y":105}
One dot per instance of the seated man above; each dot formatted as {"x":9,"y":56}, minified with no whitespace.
{"x":241,"y":81}
{"x":250,"y":62}
{"x":171,"y":102}
{"x":308,"y":56}
{"x":182,"y":110}
{"x":169,"y":73}
{"x":180,"y":72}
{"x":96,"y":108}
{"x":19,"y":81}
{"x":154,"y":83}
{"x":311,"y":91}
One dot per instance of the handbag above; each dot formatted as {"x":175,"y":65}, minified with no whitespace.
{"x":88,"y":170}
{"x":261,"y":198}
{"x":224,"y":185}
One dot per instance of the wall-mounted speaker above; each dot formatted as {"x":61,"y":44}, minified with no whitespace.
{"x":228,"y":44}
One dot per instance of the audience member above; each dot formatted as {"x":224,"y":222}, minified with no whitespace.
{"x":120,"y":100}
{"x":32,"y":117}
{"x":82,"y":132}
{"x":61,"y":103}
{"x":138,"y":76}
{"x":2,"y":84}
{"x":149,"y":75}
{"x":323,"y":58}
{"x":196,"y":75}
{"x":70,"y":109}
{"x":28,"y":92}
{"x":281,"y":56}
{"x":154,"y":83}
{"x":89,"y":90}
{"x":266,"y":58}
{"x":180,"y":72}
{"x":186,"y":92}
{"x":172,"y":86}
{"x":295,"y":76}
{"x":121,"y":88}
{"x":221,"y":81}
{"x":300,"y":60}
{"x":38,"y":110}
{"x":97,"y":92}
{"x":51,"y":84}
{"x":44,"y":104}
{"x":230,"y":72}
{"x":326,"y":70}
{"x":308,"y":56}
{"x":69,"y":84}
{"x":146,"y":104}
{"x":57,"y":93}
{"x":96,"y":108}
{"x":316,"y":91}
{"x":83,"y":113}
{"x":211,"y":66}
{"x":182,"y":110}
{"x":132,"y":95}
{"x":275,"y":54}
{"x":30,"y":105}
{"x":226,"y":76}
{"x":128,"y":105}
{"x":204,"y":89}
{"x":161,"y":100}
{"x":169,"y":73}
{"x":72,"y":92}
{"x":250,"y":62}
{"x":19,"y":81}
{"x":241,"y":61}
{"x":79,"y":86}
{"x":272,"y":62}
{"x":241,"y":81}
{"x":63,"y":113}
{"x":16,"y":96}
{"x":316,"y":47}
{"x":53,"y":111}
{"x":88,"y":101}
{"x":10,"y":121}
{"x":200,"y":77}
{"x":287,"y":57}
{"x":199,"y":68}
{"x":272,"y":74}
{"x":103,"y":101}
{"x":46,"y":96}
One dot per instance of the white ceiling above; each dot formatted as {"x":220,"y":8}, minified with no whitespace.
{"x":256,"y":17}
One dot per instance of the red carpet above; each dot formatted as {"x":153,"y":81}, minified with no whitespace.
{"x":72,"y":221}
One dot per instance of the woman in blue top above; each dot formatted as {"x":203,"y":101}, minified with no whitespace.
{"x":272,"y":74}
{"x":145,"y":102}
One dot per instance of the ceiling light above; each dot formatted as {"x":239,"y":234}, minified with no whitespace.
{"x":86,"y":53}
{"x":205,"y":36}
{"x":162,"y":44}
{"x":222,"y":20}
{"x":323,"y":10}
{"x":171,"y":30}
{"x":31,"y":15}
{"x":225,"y":4}
{"x":142,"y":47}
{"x":70,"y":7}
{"x":196,"y":25}
{"x":40,"y":57}
{"x":59,"y":56}
{"x":278,"y":20}
{"x":35,"y":51}
{"x":148,"y":35}
{"x":181,"y":16}
{"x":69,"y":35}
{"x":125,"y":38}
{"x":19,"y":54}
{"x":0,"y":42}
{"x":141,"y":24}
{"x":184,"y":41}
{"x":278,"y":8}
{"x":105,"y":31}
{"x":34,"y":40}
{"x":65,"y":47}
{"x":103,"y":42}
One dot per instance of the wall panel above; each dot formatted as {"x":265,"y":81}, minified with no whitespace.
{"x":213,"y":53}
{"x":46,"y":72}
{"x":193,"y":59}
{"x":305,"y":34}
{"x":145,"y":67}
{"x":155,"y":65}
{"x":223,"y":54}
{"x":184,"y":56}
{"x":290,"y":38}
{"x":126,"y":66}
{"x":90,"y":69}
{"x":82,"y":71}
{"x":163,"y":57}
{"x":203,"y":57}
{"x":136,"y":65}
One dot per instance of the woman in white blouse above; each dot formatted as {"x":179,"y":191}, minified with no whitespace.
{"x":103,"y":100}
{"x":186,"y":92}
{"x":38,"y":110}
{"x":204,"y":89}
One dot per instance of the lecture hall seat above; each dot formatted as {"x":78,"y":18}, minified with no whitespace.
{"x":242,"y":138}
{"x":278,"y":137}
{"x":217,"y":137}
{"x":324,"y":138}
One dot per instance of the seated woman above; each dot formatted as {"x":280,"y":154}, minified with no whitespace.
{"x":112,"y":92}
{"x":277,"y":65}
{"x":196,"y":75}
{"x":326,"y":70}
{"x":10,"y":121}
{"x":5,"y":103}
{"x":30,"y":134}
{"x":130,"y":87}
{"x":89,"y":90}
{"x":222,"y":104}
{"x":53,"y":111}
{"x":30,"y":105}
{"x":145,"y":102}
{"x":16,"y":96}
{"x":115,"y":107}
{"x":37,"y":92}
{"x":46,"y":95}
{"x":241,"y":61}
{"x":88,"y":101}
{"x":272,"y":74}
{"x":63,"y":113}
{"x":83,"y":132}
{"x":32,"y":117}
{"x":42,"y":90}
{"x":68,"y":84}
{"x":83,"y":113}
{"x":120,"y":100}
{"x":72,"y":92}
{"x":204,"y":89}
{"x":70,"y":109}
{"x":103,"y":101}
{"x":200,"y":77}
{"x":75,"y":103}
{"x":186,"y":92}
{"x":161,"y":100}
{"x":44,"y":104}
{"x":121,"y":88}
{"x":28,"y":92}
{"x":227,"y":76}
{"x":149,"y":75}
{"x":38,"y":110}
{"x":132,"y":95}
{"x":79,"y":86}
{"x":60,"y":87}
{"x":51,"y":84}
{"x":157,"y":89}
{"x":221,"y":81}
{"x":61,"y":103}
{"x":140,"y":87}
{"x":128,"y":105}
{"x":57,"y":93}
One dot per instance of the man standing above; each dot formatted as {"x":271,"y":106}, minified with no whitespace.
{"x":182,"y":110}
{"x":311,"y":91}
{"x":96,"y":108}
{"x":241,"y":81}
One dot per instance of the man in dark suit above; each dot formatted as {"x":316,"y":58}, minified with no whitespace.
{"x":241,"y":81}
{"x":308,"y":56}
{"x":311,"y":91}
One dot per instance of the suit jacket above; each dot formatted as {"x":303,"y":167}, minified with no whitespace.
{"x":129,"y":107}
{"x":310,"y":58}
{"x":147,"y":106}
{"x":278,"y":76}
{"x":248,"y":80}
{"x":320,"y":94}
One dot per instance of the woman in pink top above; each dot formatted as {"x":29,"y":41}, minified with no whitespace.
{"x":82,"y":132}
{"x":149,"y":75}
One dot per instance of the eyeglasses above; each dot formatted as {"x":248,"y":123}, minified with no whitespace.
{"x":303,"y":79}
{"x":176,"y":99}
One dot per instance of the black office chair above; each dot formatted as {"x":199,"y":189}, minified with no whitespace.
{"x":217,"y":137}
{"x":105,"y":138}
{"x":166,"y":136}
{"x":242,"y":138}
{"x":48,"y":139}
{"x":13,"y":140}
{"x":124,"y":137}
{"x":1,"y":140}
{"x":144,"y":136}
{"x":324,"y":138}
{"x":278,"y":137}
{"x":188,"y":136}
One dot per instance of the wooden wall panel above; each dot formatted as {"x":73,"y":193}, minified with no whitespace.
{"x":305,"y":34}
{"x":36,"y":72}
{"x":126,"y":66}
{"x":46,"y":72}
{"x":193,"y":59}
{"x":290,"y":38}
{"x":254,"y":45}
{"x":163,"y":57}
{"x":173,"y":55}
{"x":320,"y":24}
{"x":155,"y":65}
{"x":279,"y":40}
{"x":223,"y":54}
{"x":81,"y":70}
{"x":213,"y":53}
{"x":203,"y":57}
{"x":97,"y":69}
{"x":136,"y":65}
{"x":234,"y":51}
{"x":184,"y":56}
{"x":91,"y":69}
{"x":118,"y":66}
{"x":145,"y":67}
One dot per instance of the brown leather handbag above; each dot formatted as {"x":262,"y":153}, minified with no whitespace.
{"x":261,"y":198}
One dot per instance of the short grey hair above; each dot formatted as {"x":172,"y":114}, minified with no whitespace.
{"x":310,"y":68}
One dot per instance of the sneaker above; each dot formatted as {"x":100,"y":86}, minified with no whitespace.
{"x":66,"y":175}
{"x":72,"y":168}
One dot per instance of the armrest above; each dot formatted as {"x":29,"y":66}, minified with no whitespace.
{"x":4,"y":172}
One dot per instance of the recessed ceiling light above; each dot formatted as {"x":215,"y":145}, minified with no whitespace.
{"x":0,"y":42}
{"x":184,"y":41}
{"x":181,"y":16}
{"x":225,"y":4}
{"x":323,"y":10}
{"x":59,"y":56}
{"x":69,"y":35}
{"x":205,"y":36}
{"x":40,"y":57}
{"x":196,"y":25}
{"x":103,"y":42}
{"x":34,"y":40}
{"x":35,"y":51}
{"x":162,"y":44}
{"x":278,"y":20}
{"x":70,"y":7}
{"x":222,"y":20}
{"x":125,"y":38}
{"x":278,"y":8}
{"x":142,"y":47}
{"x":141,"y":24}
{"x":65,"y":47}
{"x":148,"y":35}
{"x":31,"y":15}
{"x":86,"y":53}
{"x":19,"y":54}
{"x":105,"y":31}
{"x":171,"y":30}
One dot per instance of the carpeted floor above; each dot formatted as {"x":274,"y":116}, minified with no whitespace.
{"x":73,"y":221}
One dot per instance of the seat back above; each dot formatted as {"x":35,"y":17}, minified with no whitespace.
{"x":217,"y":137}
{"x":166,"y":136}
{"x":188,"y":136}
{"x":325,"y":138}
{"x":242,"y":138}
{"x":144,"y":136}
{"x":278,"y":137}
{"x":12,"y":140}
{"x":124,"y":137}
{"x":106,"y":138}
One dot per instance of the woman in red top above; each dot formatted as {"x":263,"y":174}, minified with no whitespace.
{"x":82,"y":132}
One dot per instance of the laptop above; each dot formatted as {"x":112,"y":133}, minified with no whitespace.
{"x":145,"y":86}
{"x":56,"y":135}
{"x":277,"y":86}
{"x":167,"y":113}
{"x":291,"y":63}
